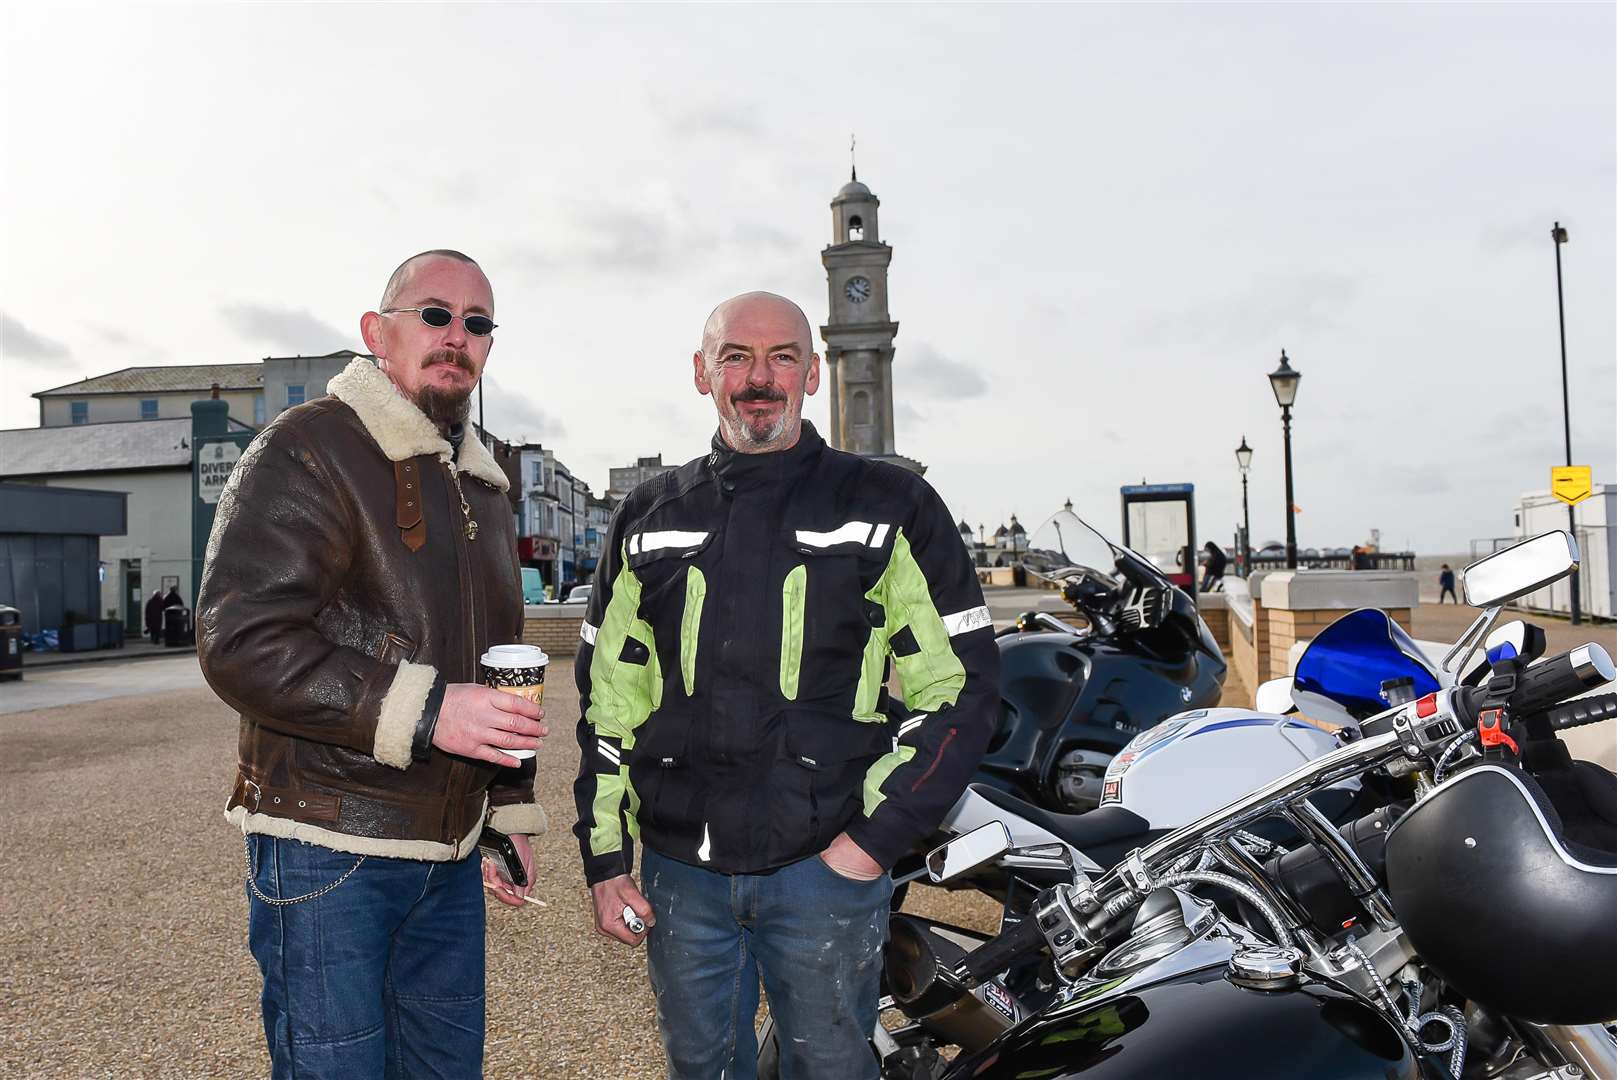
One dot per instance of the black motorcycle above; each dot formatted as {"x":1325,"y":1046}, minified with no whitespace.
{"x":1468,"y":936}
{"x":1073,"y":695}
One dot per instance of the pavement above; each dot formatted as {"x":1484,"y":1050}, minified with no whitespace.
{"x":123,"y":918}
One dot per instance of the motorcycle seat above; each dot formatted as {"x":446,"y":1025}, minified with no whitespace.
{"x":1104,"y":834}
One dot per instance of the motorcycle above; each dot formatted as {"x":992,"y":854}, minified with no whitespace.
{"x":1467,"y":936}
{"x":1071,"y":696}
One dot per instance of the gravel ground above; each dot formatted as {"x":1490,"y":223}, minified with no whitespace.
{"x":123,"y":920}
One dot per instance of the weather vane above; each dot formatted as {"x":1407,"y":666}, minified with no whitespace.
{"x":853,"y":166}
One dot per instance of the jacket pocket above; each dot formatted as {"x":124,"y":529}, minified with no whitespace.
{"x":660,"y":772}
{"x":827,"y":757}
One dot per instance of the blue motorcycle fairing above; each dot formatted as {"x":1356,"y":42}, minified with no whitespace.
{"x":1350,"y":659}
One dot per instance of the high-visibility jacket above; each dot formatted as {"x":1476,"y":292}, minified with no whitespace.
{"x":747,"y":611}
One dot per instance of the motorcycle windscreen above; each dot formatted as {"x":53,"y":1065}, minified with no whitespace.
{"x":1350,"y":659}
{"x":1064,"y":545}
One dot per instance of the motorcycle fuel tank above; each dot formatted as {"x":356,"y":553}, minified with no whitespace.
{"x":1193,"y":763}
{"x":1200,"y":1025}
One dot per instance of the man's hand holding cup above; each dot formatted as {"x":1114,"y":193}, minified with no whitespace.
{"x":501,"y":721}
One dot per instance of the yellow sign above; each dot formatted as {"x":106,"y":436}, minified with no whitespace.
{"x":1571,"y":483}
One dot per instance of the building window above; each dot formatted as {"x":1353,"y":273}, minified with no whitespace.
{"x":148,"y":408}
{"x":538,"y":474}
{"x":294,"y":394}
{"x":859,"y":408}
{"x":80,"y":411}
{"x":258,"y":410}
{"x":856,"y":228}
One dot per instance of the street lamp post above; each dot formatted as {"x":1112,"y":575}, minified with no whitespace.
{"x":1283,"y":380}
{"x":1558,"y":235}
{"x":1243,"y":458}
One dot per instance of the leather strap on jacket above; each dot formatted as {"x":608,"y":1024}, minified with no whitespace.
{"x":407,"y":503}
{"x":285,"y":802}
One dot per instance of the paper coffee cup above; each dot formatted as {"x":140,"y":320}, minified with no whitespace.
{"x":519,"y":670}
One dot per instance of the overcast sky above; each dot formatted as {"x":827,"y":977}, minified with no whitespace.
{"x":1106,"y":223}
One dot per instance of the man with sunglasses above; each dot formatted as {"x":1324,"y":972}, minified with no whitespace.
{"x":363,"y":557}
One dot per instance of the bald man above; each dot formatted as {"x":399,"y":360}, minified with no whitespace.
{"x":747,"y":612}
{"x":363,"y":557}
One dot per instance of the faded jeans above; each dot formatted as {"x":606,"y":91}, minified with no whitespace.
{"x":382,"y":977}
{"x":815,"y":937}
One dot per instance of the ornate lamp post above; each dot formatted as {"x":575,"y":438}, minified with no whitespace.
{"x":1558,"y":234}
{"x":1243,"y":458}
{"x":1284,"y":380}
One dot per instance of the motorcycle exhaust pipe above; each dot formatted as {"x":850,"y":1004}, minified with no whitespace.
{"x":920,"y":962}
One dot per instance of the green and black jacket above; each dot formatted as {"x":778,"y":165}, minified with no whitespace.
{"x":745,"y":613}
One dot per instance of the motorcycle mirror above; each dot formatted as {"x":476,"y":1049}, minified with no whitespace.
{"x":1513,"y":573}
{"x":1515,"y":640}
{"x":968,"y":851}
{"x":1274,"y":696}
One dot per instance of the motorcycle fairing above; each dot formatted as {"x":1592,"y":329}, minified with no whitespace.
{"x":1346,"y":664}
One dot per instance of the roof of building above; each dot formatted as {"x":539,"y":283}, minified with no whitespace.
{"x":179,"y":378}
{"x":853,"y":189}
{"x":964,"y":528}
{"x":113,"y":447}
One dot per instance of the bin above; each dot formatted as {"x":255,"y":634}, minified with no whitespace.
{"x":176,"y":626}
{"x":10,"y":643}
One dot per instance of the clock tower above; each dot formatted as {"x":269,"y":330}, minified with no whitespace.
{"x":859,"y":334}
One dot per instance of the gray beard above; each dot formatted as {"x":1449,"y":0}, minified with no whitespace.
{"x":742,"y":437}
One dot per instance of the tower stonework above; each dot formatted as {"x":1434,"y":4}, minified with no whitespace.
{"x":859,"y":333}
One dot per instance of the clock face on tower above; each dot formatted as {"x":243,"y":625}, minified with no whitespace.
{"x":857,"y":289}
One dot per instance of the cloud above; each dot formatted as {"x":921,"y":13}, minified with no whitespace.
{"x":112,"y":335}
{"x":930,"y":374}
{"x":1301,"y":304}
{"x":20,"y":343}
{"x":715,"y":121}
{"x":291,"y":330}
{"x":512,"y":415}
{"x":623,"y":240}
{"x":905,"y":413}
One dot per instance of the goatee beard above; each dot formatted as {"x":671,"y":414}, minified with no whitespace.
{"x":445,"y":408}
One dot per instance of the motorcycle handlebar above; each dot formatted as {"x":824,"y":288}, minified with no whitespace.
{"x":1546,"y":685}
{"x":1584,"y":711}
{"x":995,"y":956}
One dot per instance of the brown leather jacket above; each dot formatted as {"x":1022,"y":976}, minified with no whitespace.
{"x":340,"y":590}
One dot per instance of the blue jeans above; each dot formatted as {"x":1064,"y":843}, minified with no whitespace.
{"x":382,"y":977}
{"x":816,"y":938}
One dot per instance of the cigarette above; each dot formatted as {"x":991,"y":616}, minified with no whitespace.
{"x":534,"y":900}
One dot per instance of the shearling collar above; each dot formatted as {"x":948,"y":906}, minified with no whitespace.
{"x":401,"y":429}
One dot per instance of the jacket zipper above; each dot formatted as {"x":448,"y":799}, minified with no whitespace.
{"x":463,"y":565}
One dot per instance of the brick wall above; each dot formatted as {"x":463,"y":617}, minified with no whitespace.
{"x":557,"y":634}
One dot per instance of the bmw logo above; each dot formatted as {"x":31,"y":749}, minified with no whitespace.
{"x":1184,"y":694}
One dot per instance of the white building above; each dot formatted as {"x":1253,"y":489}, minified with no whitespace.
{"x":148,"y":459}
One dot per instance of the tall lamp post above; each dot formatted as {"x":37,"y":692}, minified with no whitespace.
{"x":1284,"y":380}
{"x":1558,"y":234}
{"x":1243,"y":458}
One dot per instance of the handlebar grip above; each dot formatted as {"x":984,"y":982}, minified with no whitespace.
{"x":1585,"y":711}
{"x":1546,"y":685}
{"x":983,"y":964}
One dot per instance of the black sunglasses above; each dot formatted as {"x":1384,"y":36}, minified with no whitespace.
{"x":437,"y":317}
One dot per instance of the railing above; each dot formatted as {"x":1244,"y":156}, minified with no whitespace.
{"x":1374,"y":560}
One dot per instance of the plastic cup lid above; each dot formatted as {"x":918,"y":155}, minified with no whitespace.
{"x":515,"y":656}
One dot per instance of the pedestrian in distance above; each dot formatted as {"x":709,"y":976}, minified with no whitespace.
{"x":1445,"y":581}
{"x":154,"y":617}
{"x":736,"y":649}
{"x":362,"y":558}
{"x":1217,"y":562}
